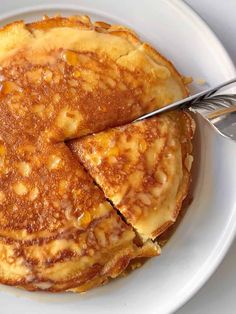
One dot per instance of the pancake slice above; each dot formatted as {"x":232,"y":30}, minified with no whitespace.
{"x":143,"y":168}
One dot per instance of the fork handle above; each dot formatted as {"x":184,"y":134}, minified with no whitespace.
{"x":187,"y":102}
{"x":221,"y":112}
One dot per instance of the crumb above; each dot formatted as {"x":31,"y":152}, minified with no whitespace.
{"x":187,"y":79}
{"x":200,"y":81}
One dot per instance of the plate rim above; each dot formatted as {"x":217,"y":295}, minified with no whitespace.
{"x":192,"y":14}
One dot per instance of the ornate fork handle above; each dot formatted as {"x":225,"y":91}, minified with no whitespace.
{"x":190,"y":101}
{"x":223,"y":101}
{"x":206,"y":101}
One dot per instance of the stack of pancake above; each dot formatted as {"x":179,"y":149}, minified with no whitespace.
{"x":84,"y":192}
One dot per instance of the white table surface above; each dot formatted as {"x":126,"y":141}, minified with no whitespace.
{"x":218,"y":295}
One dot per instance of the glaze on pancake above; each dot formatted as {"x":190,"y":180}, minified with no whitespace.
{"x":143,"y":168}
{"x":61,"y":79}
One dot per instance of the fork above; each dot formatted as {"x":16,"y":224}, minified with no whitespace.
{"x":218,"y":105}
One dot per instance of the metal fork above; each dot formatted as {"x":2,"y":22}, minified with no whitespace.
{"x":205,"y":102}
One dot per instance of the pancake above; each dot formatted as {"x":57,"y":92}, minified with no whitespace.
{"x":143,"y":168}
{"x":62,"y":79}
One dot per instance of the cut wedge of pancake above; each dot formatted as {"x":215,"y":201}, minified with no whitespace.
{"x":143,"y":168}
{"x":60,"y":79}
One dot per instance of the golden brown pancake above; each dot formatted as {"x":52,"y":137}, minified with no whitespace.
{"x":143,"y":168}
{"x":64,"y":78}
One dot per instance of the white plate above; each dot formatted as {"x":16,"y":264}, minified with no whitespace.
{"x":163,"y":284}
